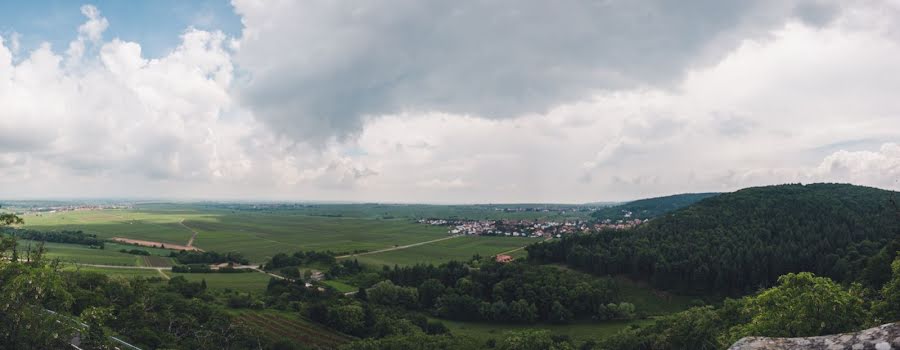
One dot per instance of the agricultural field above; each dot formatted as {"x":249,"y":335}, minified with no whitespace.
{"x":110,"y":255}
{"x":116,"y":272}
{"x":258,"y":235}
{"x":277,"y":325}
{"x":458,"y":248}
{"x":159,"y":226}
{"x":75,"y":253}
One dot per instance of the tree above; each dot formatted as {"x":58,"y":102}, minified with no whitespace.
{"x":429,"y":291}
{"x":559,"y":313}
{"x":95,"y":337}
{"x":532,"y":340}
{"x":349,"y":319}
{"x":802,"y":305}
{"x":31,"y":296}
{"x":386,"y":293}
{"x":888,"y":309}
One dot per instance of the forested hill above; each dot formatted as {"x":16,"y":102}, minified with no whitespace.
{"x":650,"y":207}
{"x":738,"y":242}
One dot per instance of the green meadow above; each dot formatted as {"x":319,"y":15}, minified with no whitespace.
{"x":256,"y":234}
{"x":459,"y":248}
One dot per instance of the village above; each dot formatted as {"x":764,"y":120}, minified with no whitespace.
{"x":529,"y":228}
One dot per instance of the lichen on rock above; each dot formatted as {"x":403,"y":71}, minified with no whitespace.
{"x":884,"y":337}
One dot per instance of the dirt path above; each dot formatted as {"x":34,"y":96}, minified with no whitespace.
{"x":126,"y":267}
{"x":399,"y":247}
{"x":163,"y":274}
{"x":152,"y":244}
{"x":190,"y":243}
{"x":519,"y":248}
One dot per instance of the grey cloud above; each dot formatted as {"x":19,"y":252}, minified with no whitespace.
{"x":314,"y":69}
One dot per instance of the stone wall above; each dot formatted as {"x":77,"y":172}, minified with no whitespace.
{"x":884,"y":337}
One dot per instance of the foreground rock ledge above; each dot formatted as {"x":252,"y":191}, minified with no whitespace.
{"x":884,"y":337}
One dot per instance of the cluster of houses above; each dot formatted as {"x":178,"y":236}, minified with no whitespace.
{"x":66,"y":208}
{"x":527,"y":228}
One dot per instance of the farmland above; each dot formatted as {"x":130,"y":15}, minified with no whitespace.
{"x":259,"y":234}
{"x":459,"y":248}
{"x":284,"y":325}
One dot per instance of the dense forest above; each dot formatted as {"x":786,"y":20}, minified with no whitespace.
{"x":739,"y":242}
{"x":650,"y":207}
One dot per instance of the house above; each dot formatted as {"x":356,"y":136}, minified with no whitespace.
{"x":503,"y":258}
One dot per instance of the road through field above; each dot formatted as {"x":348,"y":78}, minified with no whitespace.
{"x":399,"y":247}
{"x":190,"y":242}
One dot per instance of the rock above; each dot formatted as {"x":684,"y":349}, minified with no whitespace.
{"x":884,"y":337}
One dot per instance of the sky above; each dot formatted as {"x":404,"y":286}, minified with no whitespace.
{"x":465,"y":101}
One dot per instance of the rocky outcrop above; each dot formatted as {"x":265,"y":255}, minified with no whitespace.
{"x":884,"y":337}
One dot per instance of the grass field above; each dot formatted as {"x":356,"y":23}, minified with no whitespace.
{"x":460,"y":248}
{"x":579,"y":331}
{"x":114,"y":272}
{"x":158,"y":226}
{"x":253,"y":282}
{"x":258,"y":235}
{"x":277,"y":325}
{"x":341,"y":286}
{"x":75,"y":253}
{"x":81,"y":254}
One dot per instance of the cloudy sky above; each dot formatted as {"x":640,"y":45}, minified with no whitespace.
{"x":445,"y":101}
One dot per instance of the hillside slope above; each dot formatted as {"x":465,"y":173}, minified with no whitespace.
{"x":738,"y":242}
{"x":650,"y":207}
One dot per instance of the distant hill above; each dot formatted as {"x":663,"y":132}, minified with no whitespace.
{"x":649,"y":207}
{"x":738,"y":242}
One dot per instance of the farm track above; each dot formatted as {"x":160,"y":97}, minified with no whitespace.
{"x":190,"y":242}
{"x":398,"y":247}
{"x":519,"y":248}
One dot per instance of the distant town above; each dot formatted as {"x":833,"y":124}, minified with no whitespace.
{"x":529,"y":228}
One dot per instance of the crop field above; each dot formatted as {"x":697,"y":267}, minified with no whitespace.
{"x":253,"y":282}
{"x":74,"y":253}
{"x":284,"y":325}
{"x":116,"y":272}
{"x":81,"y":254}
{"x":258,"y":235}
{"x":459,"y":248}
{"x":157,"y":226}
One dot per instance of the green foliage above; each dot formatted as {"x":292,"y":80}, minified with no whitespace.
{"x":349,"y":319}
{"x":516,"y":292}
{"x":802,"y":305}
{"x":888,"y":308}
{"x":96,"y":337}
{"x":388,"y":294}
{"x":533,"y":340}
